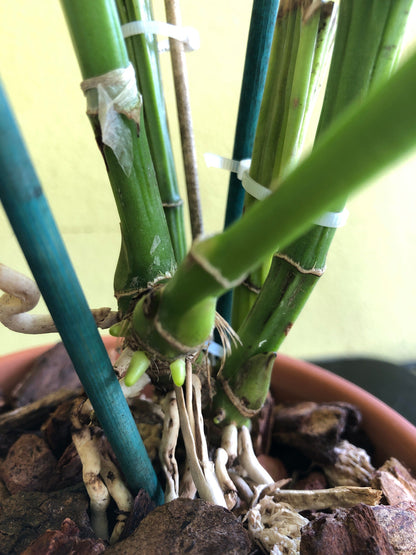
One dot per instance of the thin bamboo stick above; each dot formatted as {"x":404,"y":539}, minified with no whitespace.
{"x":183,"y":102}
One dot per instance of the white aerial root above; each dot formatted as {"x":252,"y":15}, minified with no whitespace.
{"x":189,"y":394}
{"x":100,"y":475}
{"x":229,"y":442}
{"x":244,"y":490}
{"x":187,"y":486}
{"x":22,"y":294}
{"x":196,"y":448}
{"x":227,"y":485}
{"x":249,"y":461}
{"x":168,"y":445}
{"x":215,"y":483}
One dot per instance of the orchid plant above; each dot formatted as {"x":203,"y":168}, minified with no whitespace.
{"x":213,"y":313}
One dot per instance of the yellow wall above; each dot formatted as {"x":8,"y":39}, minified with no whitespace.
{"x":366,"y":301}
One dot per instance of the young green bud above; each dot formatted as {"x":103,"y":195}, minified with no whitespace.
{"x":178,"y":371}
{"x":119,"y":329}
{"x":138,"y":365}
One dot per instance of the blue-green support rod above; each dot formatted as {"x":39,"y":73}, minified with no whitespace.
{"x":262,"y":23}
{"x":42,"y":245}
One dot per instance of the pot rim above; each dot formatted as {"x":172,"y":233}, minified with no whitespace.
{"x":292,"y":379}
{"x":13,"y":366}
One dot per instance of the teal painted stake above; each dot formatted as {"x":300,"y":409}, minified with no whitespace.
{"x":263,"y":19}
{"x":39,"y":238}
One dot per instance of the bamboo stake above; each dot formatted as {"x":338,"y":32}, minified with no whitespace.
{"x":183,"y":102}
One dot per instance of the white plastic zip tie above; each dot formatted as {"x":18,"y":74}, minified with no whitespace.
{"x":216,"y":349}
{"x":188,"y":35}
{"x":222,"y":163}
{"x":241,"y":169}
{"x":333,"y":219}
{"x":116,"y":93}
{"x":259,"y":192}
{"x":253,"y":188}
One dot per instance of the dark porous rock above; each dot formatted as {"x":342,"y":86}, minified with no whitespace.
{"x":27,"y":515}
{"x":142,"y":506}
{"x":57,"y":428}
{"x":345,"y":532}
{"x":69,"y":467}
{"x":29,"y":465}
{"x":314,"y":429}
{"x":314,"y":480}
{"x":64,"y":541}
{"x":6,"y":441}
{"x":4,"y":492}
{"x":399,"y":522}
{"x":51,"y":371}
{"x":187,"y":526}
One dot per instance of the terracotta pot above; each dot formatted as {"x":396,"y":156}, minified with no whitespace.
{"x":14,"y":366}
{"x":391,"y":434}
{"x":292,"y":380}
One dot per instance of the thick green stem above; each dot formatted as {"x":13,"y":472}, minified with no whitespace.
{"x":298,"y":83}
{"x":297,"y":268}
{"x":363,"y":141}
{"x":143,"y":53}
{"x":146,"y":252}
{"x":300,"y":48}
{"x":391,"y":43}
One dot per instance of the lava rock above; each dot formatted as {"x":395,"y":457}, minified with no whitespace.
{"x":26,"y":515}
{"x":29,"y":465}
{"x":187,"y":526}
{"x":65,"y":540}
